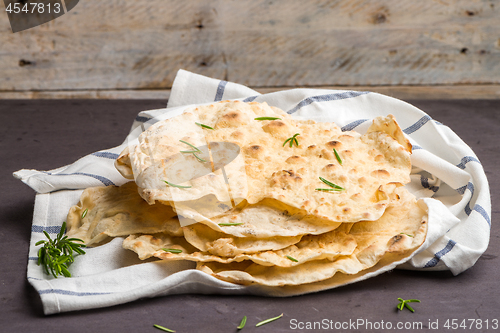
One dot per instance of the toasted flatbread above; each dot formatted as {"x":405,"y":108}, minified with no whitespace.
{"x":368,"y":167}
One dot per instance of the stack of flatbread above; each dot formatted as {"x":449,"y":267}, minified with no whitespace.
{"x":253,"y":195}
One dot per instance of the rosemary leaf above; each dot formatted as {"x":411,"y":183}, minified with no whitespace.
{"x":85,"y":213}
{"x":329,"y":189}
{"x":268,"y":320}
{"x":190,"y":145}
{"x":330,"y":183}
{"x":292,"y":258}
{"x":204,"y":126}
{"x":409,"y":307}
{"x":175,"y":185}
{"x":40,"y":255}
{"x":194,"y":154}
{"x":163,"y":328}
{"x":337,"y":156}
{"x":199,"y":158}
{"x":172,"y":250}
{"x":229,"y":224}
{"x":242,"y":323}
{"x":65,"y":271}
{"x":267,"y":118}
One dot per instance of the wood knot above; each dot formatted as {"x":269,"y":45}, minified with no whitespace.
{"x":379,"y":18}
{"x":24,"y":62}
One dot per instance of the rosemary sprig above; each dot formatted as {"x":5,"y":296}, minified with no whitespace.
{"x":229,"y":224}
{"x":172,"y":250}
{"x":337,"y":156}
{"x":175,"y":185}
{"x":194,"y":152}
{"x":190,"y":145}
{"x":404,"y":303}
{"x":85,"y":213}
{"x":332,"y":185}
{"x":267,"y":118}
{"x":292,"y":140}
{"x":292,"y":258}
{"x":268,"y":320}
{"x":56,"y":254}
{"x":204,"y":126}
{"x":402,"y":233}
{"x":242,"y":323}
{"x":163,"y":328}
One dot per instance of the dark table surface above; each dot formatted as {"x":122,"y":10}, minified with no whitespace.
{"x":43,"y":135}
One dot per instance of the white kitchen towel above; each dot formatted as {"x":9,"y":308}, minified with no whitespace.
{"x":446,"y":176}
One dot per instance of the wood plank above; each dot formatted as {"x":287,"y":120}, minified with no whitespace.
{"x":140,"y":44}
{"x":491,"y":92}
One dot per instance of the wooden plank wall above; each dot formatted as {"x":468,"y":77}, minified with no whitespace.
{"x":133,"y":48}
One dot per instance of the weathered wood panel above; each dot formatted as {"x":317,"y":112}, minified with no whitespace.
{"x":400,"y":92}
{"x":140,"y":44}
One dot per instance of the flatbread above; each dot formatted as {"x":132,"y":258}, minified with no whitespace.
{"x":224,"y":245}
{"x":118,"y":211}
{"x":330,"y":246}
{"x":147,"y":245}
{"x":402,"y":229}
{"x":373,"y":165}
{"x":249,"y":206}
{"x":268,"y":218}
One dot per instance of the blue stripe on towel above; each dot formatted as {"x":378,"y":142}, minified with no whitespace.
{"x":469,"y":186}
{"x":102,"y":179}
{"x":425,"y":184}
{"x":353,"y":125}
{"x":70,"y":293}
{"x":326,"y":98}
{"x":105,"y":154}
{"x":421,"y":122}
{"x":466,"y":160}
{"x":438,"y":255}
{"x":467,"y":208}
{"x":482,"y":211}
{"x":50,"y":229}
{"x":142,"y":119}
{"x":220,"y":91}
{"x":477,"y":208}
{"x":250,"y":99}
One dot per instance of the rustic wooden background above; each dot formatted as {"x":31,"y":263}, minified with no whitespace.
{"x":133,"y":48}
